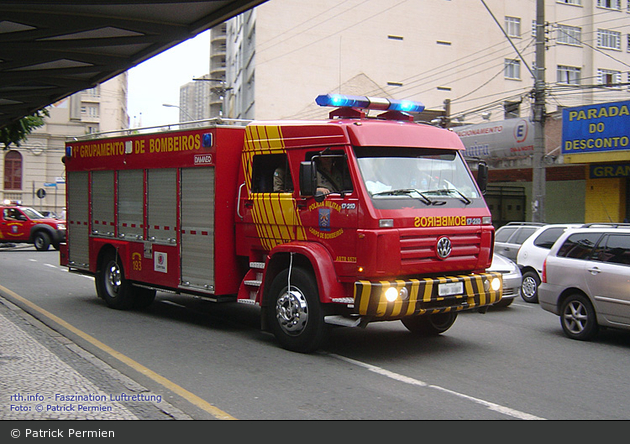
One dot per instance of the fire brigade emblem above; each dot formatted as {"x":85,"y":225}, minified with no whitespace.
{"x":443,"y":247}
{"x":324,"y":219}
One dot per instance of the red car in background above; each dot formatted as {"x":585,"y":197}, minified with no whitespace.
{"x":20,"y":224}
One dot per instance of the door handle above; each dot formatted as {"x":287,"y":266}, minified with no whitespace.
{"x":594,"y":270}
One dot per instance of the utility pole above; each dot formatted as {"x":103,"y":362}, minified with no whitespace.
{"x":538,"y":161}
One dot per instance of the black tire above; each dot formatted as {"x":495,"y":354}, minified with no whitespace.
{"x":111,"y":284}
{"x":578,"y":318}
{"x":295,"y":316}
{"x":529,"y":287}
{"x":504,"y":303}
{"x":41,"y":240}
{"x":430,"y":325}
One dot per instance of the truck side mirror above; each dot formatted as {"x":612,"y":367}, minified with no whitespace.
{"x":482,"y":176}
{"x":308,"y":178}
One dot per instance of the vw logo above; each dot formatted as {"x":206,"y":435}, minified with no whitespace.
{"x":443,"y":247}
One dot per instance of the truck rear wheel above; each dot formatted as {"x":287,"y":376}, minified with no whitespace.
{"x":295,"y":313}
{"x":430,"y":325}
{"x":111,"y":284}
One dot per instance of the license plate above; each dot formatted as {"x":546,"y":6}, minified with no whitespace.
{"x":450,"y":288}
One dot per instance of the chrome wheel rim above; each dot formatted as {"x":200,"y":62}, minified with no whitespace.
{"x":292,"y":312}
{"x":113,"y":279}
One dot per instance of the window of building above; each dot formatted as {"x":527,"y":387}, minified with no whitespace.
{"x":570,"y":2}
{"x":513,"y":26}
{"x":512,"y":69}
{"x":569,"y":35}
{"x":90,"y":110}
{"x":609,"y":4}
{"x":569,"y":75}
{"x":92,"y":92}
{"x":608,"y":39}
{"x":13,"y":170}
{"x":609,"y":78}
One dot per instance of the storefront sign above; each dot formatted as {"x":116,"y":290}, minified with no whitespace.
{"x":598,"y":171}
{"x":596,"y":128}
{"x":506,"y":138}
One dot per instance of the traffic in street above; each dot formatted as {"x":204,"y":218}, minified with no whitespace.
{"x":509,"y":363}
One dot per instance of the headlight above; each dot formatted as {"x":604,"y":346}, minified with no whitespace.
{"x":496,"y":284}
{"x":391,"y":294}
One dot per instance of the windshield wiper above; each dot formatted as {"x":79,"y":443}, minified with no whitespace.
{"x":466,"y":200}
{"x":408,"y":191}
{"x":447,"y":191}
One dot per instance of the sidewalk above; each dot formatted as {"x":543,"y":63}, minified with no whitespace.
{"x":45,"y":376}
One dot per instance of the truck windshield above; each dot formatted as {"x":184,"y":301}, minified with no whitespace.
{"x":430,"y":176}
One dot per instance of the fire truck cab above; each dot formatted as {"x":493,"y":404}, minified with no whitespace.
{"x":345,"y":221}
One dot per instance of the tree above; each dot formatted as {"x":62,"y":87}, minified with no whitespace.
{"x":17,"y":132}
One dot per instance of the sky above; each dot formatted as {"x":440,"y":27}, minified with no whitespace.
{"x":157,"y":81}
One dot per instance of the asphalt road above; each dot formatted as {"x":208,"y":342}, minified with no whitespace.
{"x":211,"y":360}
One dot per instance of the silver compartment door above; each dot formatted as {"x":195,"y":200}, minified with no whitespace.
{"x":197,"y":228}
{"x":77,"y":218}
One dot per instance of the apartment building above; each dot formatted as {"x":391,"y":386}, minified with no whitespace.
{"x":36,"y":163}
{"x":472,"y":61}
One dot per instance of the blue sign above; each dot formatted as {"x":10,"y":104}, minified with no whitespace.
{"x":596,"y":128}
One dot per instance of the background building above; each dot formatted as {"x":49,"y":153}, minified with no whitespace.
{"x":36,"y":163}
{"x":466,"y":62}
{"x":284,"y":53}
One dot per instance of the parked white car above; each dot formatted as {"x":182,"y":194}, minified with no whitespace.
{"x":511,"y":279}
{"x":532,"y":254}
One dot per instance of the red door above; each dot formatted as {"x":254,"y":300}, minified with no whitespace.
{"x":14,"y":225}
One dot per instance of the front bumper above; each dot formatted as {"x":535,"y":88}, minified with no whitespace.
{"x":422,"y":296}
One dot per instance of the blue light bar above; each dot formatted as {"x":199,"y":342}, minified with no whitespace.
{"x":339,"y":100}
{"x":364,"y":102}
{"x":406,"y":106}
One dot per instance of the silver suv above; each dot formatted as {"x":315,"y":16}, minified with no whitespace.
{"x":586,"y":280}
{"x":532,"y":254}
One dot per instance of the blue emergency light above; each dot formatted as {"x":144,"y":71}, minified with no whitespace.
{"x":364,"y":102}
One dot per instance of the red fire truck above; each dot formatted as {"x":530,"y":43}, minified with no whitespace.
{"x":346,"y":221}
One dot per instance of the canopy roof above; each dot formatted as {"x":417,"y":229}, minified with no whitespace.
{"x":50,"y":49}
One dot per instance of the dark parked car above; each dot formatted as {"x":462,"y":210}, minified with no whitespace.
{"x":509,"y":238}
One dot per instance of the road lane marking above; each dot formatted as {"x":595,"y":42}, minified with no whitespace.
{"x":407,"y":380}
{"x":190,"y":397}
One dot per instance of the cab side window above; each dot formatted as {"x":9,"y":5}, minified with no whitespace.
{"x":12,"y":214}
{"x":271,"y":174}
{"x":333,"y":173}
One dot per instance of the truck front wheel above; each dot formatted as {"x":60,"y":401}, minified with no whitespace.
{"x":111,"y":284}
{"x":430,"y":325}
{"x":295,"y":313}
